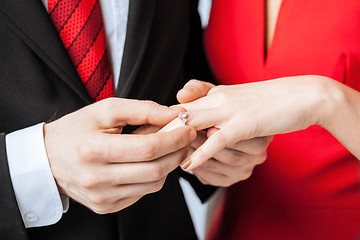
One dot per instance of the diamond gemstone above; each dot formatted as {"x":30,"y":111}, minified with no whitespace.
{"x":183,"y":115}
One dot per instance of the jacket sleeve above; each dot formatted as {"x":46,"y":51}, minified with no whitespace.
{"x":11,"y":223}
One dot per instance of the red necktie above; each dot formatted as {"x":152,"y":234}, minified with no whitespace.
{"x":80,"y":26}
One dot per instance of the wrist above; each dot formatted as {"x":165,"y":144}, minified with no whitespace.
{"x":331,"y":102}
{"x":48,"y":131}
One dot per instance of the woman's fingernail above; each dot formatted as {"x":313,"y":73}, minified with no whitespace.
{"x":185,"y":165}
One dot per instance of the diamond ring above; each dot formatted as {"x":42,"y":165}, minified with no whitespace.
{"x":184,"y":117}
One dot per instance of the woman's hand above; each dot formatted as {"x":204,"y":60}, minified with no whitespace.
{"x":235,"y":162}
{"x":247,"y":111}
{"x":232,"y":164}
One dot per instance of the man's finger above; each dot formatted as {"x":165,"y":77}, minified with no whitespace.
{"x":139,"y":148}
{"x":141,"y":172}
{"x":132,"y":190}
{"x":117,"y":112}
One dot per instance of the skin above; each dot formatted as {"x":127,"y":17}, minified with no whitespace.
{"x":107,"y":171}
{"x":244,"y":111}
{"x":272,"y":12}
{"x":231,"y":164}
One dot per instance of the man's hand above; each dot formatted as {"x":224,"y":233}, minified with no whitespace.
{"x":232,"y":164}
{"x":107,"y":171}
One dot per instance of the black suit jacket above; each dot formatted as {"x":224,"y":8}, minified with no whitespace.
{"x":38,"y":83}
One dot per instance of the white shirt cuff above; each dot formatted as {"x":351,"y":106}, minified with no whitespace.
{"x":35,"y":189}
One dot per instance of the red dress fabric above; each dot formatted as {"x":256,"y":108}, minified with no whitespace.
{"x":309,"y":187}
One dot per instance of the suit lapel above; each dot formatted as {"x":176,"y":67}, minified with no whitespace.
{"x":31,"y":23}
{"x":138,"y":30}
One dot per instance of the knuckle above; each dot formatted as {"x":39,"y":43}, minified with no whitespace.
{"x":124,"y":193}
{"x":158,"y":185}
{"x":88,"y":181}
{"x":246,"y":175}
{"x":152,"y":108}
{"x":210,"y":165}
{"x":151,"y":105}
{"x":97,"y":199}
{"x":227,"y":183}
{"x":156,"y":173}
{"x":148,"y":151}
{"x":86,"y":152}
{"x":234,"y":160}
{"x":99,"y":210}
{"x":262,"y":158}
{"x":221,"y":96}
{"x":106,"y":106}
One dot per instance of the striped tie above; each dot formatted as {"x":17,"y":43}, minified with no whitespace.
{"x":80,"y":26}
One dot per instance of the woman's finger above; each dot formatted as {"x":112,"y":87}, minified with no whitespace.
{"x":215,"y":179}
{"x":193,"y":90}
{"x":210,"y":148}
{"x":203,"y":118}
{"x":251,"y":146}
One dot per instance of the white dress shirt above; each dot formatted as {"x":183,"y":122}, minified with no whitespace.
{"x":35,"y":189}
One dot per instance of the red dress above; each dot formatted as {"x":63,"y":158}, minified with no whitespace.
{"x":309,"y":187}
